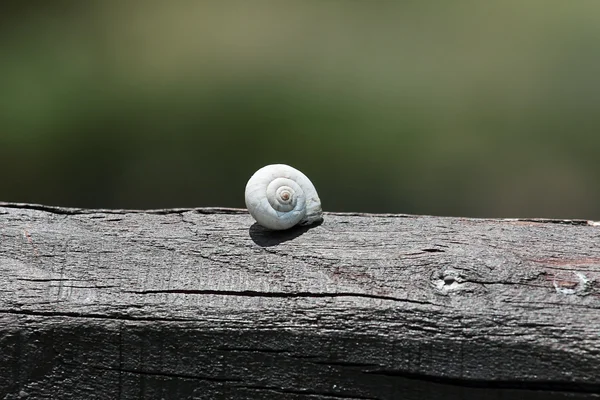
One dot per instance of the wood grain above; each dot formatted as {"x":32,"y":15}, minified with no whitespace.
{"x":202,"y":303}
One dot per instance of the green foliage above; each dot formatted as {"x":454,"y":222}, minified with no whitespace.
{"x":475,"y":109}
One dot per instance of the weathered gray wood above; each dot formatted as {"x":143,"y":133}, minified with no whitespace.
{"x":108,"y":304}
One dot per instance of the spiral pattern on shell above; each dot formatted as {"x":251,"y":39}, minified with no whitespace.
{"x":279,"y":197}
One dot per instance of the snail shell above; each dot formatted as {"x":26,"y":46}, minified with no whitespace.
{"x":279,"y":197}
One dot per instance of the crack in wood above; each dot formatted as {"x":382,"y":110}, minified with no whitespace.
{"x":114,"y":316}
{"x":163,"y":374}
{"x":346,"y":364}
{"x":84,"y":211}
{"x":433,"y":250}
{"x":309,"y":393}
{"x":576,"y":222}
{"x":253,"y":293}
{"x":253,"y":350}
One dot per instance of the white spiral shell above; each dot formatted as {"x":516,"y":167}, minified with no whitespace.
{"x":279,"y":197}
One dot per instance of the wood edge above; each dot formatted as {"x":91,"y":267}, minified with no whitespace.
{"x":227,"y":210}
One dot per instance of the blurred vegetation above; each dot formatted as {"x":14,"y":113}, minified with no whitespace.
{"x":467,"y":108}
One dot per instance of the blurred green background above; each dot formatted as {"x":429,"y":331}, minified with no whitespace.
{"x":469,"y":108}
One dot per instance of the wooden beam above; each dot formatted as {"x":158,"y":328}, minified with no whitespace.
{"x":202,"y":303}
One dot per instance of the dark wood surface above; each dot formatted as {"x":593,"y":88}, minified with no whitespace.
{"x":202,"y":303}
